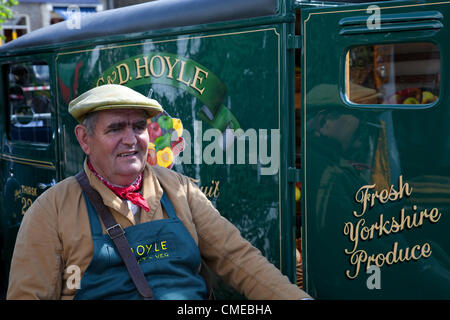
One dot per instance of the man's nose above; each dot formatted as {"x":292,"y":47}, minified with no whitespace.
{"x":129,"y":136}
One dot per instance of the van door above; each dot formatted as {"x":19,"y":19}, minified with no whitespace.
{"x":28,"y":157}
{"x":376,"y":151}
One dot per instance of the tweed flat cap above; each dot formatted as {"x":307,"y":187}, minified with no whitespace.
{"x":111,"y":96}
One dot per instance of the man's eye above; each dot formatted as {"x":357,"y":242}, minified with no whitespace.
{"x":140,"y":126}
{"x":113,"y":129}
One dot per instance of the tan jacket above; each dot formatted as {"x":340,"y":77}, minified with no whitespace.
{"x":55,"y":234}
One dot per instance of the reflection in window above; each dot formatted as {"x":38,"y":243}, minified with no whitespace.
{"x":402,"y":73}
{"x":29,"y":103}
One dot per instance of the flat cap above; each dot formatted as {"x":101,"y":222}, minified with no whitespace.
{"x":111,"y":96}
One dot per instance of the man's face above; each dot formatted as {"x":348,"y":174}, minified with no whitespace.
{"x":117,"y":149}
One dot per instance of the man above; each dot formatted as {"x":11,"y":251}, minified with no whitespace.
{"x":168,"y":221}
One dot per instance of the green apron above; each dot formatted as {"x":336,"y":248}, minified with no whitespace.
{"x":164,"y":249}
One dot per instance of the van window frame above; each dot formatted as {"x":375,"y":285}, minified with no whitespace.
{"x":5,"y":69}
{"x":344,"y":77}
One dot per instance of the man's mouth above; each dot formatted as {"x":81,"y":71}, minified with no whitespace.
{"x":127,"y":154}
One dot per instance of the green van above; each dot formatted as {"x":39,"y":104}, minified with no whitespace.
{"x":318,"y":128}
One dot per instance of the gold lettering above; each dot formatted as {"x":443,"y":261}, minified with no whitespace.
{"x":353,"y":234}
{"x":208,"y":191}
{"x":395,"y":227}
{"x":205,"y":191}
{"x":199,"y":79}
{"x":413,"y":255}
{"x":127,"y":73}
{"x":26,"y":203}
{"x":216,"y":190}
{"x":163,"y":245}
{"x":169,"y":75}
{"x":404,"y":188}
{"x":426,"y":250}
{"x":365,"y":233}
{"x":103,"y":81}
{"x":376,"y":259}
{"x":162,"y":66}
{"x":180,"y":75}
{"x":367,"y":200}
{"x":362,"y":196}
{"x":391,"y":255}
{"x":435,"y":215}
{"x":139,"y":67}
{"x":367,"y":196}
{"x":356,"y":259}
{"x":403,"y":222}
{"x":383,"y":196}
{"x":360,"y":258}
{"x":111,"y":79}
{"x":31,"y":191}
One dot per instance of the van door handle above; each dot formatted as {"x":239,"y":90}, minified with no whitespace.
{"x":44,"y":186}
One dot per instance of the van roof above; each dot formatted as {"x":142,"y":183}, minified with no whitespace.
{"x":154,"y":15}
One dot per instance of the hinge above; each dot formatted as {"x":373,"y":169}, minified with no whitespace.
{"x":294,"y":175}
{"x":294,"y":42}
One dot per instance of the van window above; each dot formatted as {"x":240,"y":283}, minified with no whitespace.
{"x":395,"y":74}
{"x":29,"y":102}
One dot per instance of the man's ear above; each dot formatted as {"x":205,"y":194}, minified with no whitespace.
{"x":82,"y":137}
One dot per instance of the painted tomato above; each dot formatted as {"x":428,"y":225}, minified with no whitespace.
{"x":154,"y":130}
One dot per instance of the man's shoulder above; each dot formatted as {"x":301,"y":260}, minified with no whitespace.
{"x":168,"y":174}
{"x":61,"y":196}
{"x":61,"y":189}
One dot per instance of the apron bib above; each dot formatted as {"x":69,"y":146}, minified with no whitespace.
{"x":164,"y":249}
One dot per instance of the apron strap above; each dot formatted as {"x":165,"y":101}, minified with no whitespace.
{"x":96,"y":226}
{"x":168,"y":206}
{"x":117,"y":235}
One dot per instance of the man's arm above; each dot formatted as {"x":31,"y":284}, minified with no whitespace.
{"x":233,"y":258}
{"x":36,"y":267}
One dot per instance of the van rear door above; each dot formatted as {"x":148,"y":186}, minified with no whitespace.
{"x":376,"y":151}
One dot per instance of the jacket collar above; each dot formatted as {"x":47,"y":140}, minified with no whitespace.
{"x":151,"y":190}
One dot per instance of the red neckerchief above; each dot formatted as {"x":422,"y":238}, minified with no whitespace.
{"x":129,"y":193}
